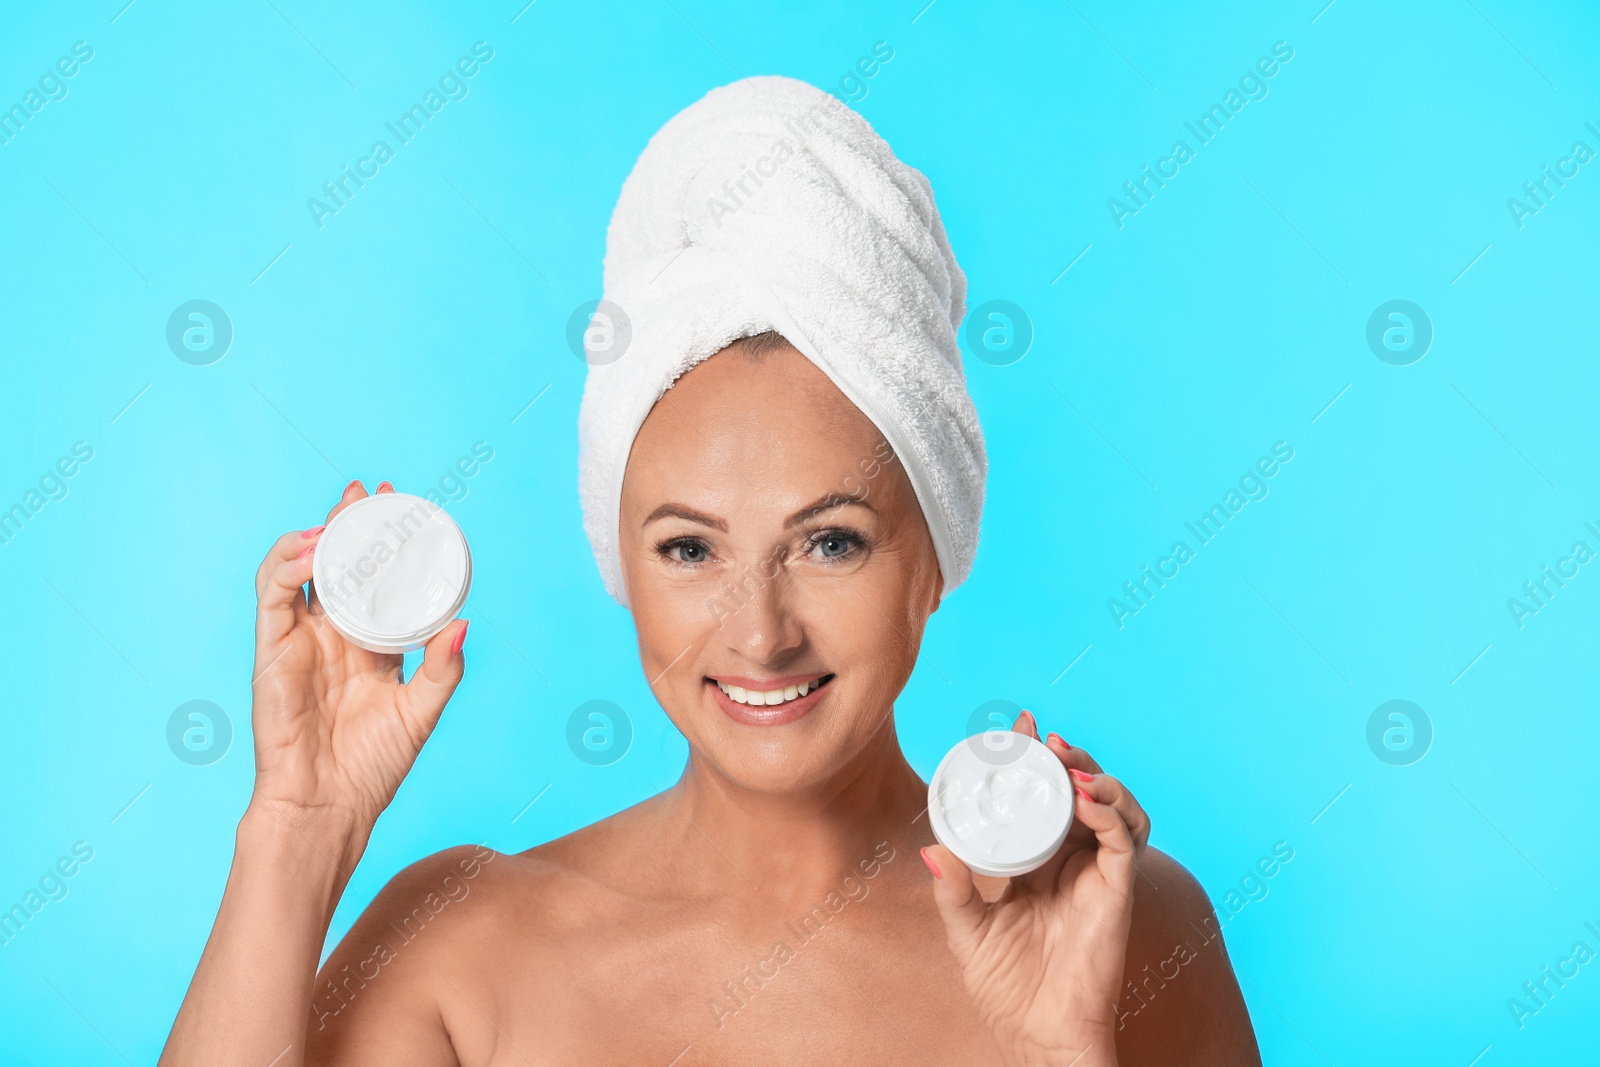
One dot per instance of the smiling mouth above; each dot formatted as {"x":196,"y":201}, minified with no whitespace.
{"x":769,"y":698}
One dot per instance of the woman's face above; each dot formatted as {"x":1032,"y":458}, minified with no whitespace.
{"x":770,"y":540}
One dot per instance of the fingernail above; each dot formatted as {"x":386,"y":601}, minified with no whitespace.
{"x":1087,"y":798}
{"x":1031,"y":721}
{"x":353,"y":483}
{"x":385,"y":487}
{"x":461,"y":639}
{"x":306,"y":551}
{"x":1081,"y":776}
{"x":1058,"y":739}
{"x":932,"y":866}
{"x":307,"y":535}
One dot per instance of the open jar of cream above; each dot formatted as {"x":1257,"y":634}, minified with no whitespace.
{"x":390,"y":571}
{"x":1002,"y":802}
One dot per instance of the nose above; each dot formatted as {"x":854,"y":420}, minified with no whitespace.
{"x":756,"y":616}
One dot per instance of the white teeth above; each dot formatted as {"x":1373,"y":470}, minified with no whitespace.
{"x":769,"y":697}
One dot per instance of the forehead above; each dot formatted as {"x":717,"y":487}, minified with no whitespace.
{"x":736,"y":433}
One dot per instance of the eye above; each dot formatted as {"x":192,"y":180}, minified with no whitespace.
{"x":835,"y":545}
{"x":688,"y":550}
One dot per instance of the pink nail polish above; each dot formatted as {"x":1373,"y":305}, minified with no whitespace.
{"x":385,"y":487}
{"x":461,"y":639}
{"x":1087,"y":798}
{"x":306,"y":535}
{"x":1082,"y":776}
{"x":1058,"y":739}
{"x":932,"y":866}
{"x":354,"y":483}
{"x":306,"y":551}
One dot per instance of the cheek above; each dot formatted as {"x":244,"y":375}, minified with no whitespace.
{"x":675,"y":621}
{"x":669,"y":615}
{"x":910,"y":581}
{"x":871,"y":620}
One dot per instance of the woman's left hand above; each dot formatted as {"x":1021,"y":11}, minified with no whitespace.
{"x":1043,"y":963}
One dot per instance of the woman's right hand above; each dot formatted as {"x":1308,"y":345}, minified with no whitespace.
{"x":335,"y":729}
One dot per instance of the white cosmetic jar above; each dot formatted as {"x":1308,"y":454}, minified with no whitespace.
{"x":391,"y":571}
{"x":1002,"y":802}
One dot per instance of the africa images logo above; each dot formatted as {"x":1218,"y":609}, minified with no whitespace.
{"x":452,"y":85}
{"x":1252,"y":85}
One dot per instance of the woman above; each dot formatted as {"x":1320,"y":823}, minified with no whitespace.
{"x":781,"y":521}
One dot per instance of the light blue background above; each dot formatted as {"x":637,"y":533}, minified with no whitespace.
{"x":1224,"y":317}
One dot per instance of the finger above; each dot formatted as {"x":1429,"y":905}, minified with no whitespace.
{"x":1114,"y":852}
{"x":352,"y":492}
{"x":960,"y":904}
{"x":284,"y":549}
{"x":430,"y":688}
{"x":1080,"y":836}
{"x":1025,"y":724}
{"x":1072,"y":756}
{"x":281,"y":598}
{"x":1079,"y":761}
{"x":280,"y":583}
{"x":1108,"y":790}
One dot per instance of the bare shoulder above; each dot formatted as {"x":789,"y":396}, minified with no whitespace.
{"x":473,"y":895}
{"x":1180,"y":1001}
{"x":477,"y":899}
{"x":409,"y":981}
{"x":377,"y":998}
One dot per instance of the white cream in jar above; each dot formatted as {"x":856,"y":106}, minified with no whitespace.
{"x":1002,"y":802}
{"x":391,"y":571}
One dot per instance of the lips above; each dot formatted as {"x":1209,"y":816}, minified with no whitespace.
{"x":768,"y":701}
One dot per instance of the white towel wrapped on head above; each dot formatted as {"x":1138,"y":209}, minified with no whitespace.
{"x":770,"y":205}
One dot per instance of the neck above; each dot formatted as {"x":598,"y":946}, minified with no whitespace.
{"x":794,"y":846}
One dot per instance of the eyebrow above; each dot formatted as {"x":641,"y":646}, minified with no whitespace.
{"x":811,"y":510}
{"x":679,"y":511}
{"x":827,"y":503}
